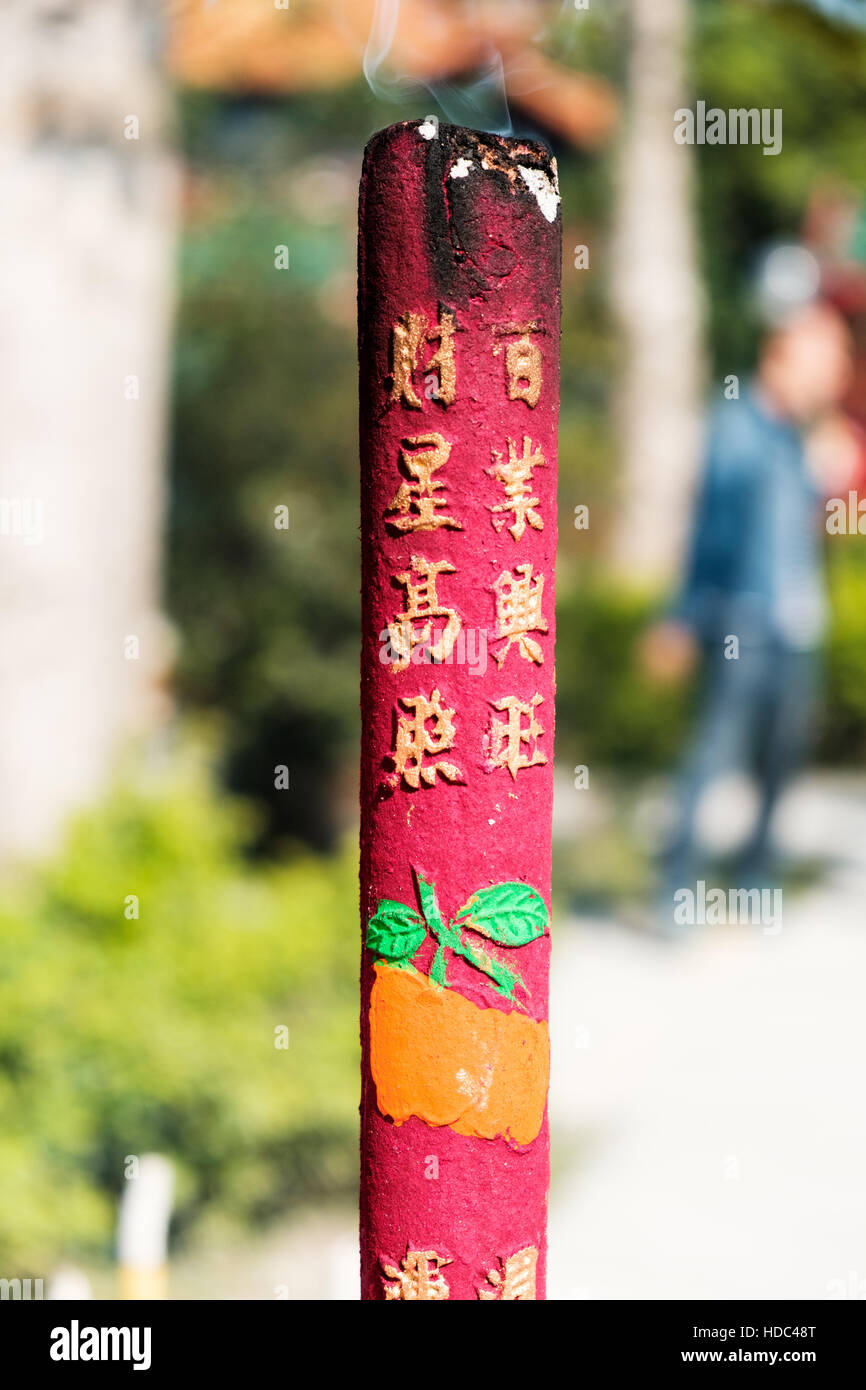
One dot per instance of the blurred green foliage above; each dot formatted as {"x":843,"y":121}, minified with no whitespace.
{"x":614,"y":719}
{"x":778,"y":55}
{"x":843,"y":728}
{"x":123,"y":1034}
{"x":265,"y":410}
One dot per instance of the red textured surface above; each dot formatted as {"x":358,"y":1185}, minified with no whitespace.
{"x":482,"y":247}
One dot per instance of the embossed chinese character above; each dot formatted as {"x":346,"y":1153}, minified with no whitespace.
{"x":416,"y":502}
{"x":415,"y":742}
{"x":518,"y":612}
{"x":522,"y":362}
{"x":409,"y":333}
{"x":512,"y":743}
{"x":423,"y":602}
{"x":515,"y":474}
{"x":516,"y":1282}
{"x":419,"y":1277}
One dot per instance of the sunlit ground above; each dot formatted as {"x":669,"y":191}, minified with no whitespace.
{"x":708,"y":1125}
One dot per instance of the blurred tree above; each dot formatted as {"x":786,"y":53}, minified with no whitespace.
{"x":657,"y":297}
{"x":265,"y":419}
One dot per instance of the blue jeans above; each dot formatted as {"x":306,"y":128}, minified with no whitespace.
{"x":755,"y":716}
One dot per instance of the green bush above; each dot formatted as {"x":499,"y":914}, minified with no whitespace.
{"x":843,"y":730}
{"x":269,"y":617}
{"x":606,"y":712}
{"x":121,"y":1034}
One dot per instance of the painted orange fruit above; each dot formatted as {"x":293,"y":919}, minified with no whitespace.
{"x":440,"y":1057}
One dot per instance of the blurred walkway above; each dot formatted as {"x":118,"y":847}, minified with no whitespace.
{"x":709,"y":1131}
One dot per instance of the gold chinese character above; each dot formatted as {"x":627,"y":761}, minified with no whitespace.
{"x":516,"y":478}
{"x":516,"y":1283}
{"x":423,"y":602}
{"x":409,"y":333}
{"x":522,"y":363}
{"x":414,"y":740}
{"x":419,"y":1277}
{"x":416,"y":502}
{"x":518,"y":612}
{"x":508,"y":737}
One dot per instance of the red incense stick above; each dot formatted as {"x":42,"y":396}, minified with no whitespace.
{"x":459,"y":302}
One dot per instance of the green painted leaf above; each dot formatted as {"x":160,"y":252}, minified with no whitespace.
{"x":504,"y":979}
{"x":438,"y":971}
{"x":511,"y":913}
{"x":429,"y":905}
{"x":396,"y":931}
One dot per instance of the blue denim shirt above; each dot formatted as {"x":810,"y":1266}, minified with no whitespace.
{"x":755,"y":568}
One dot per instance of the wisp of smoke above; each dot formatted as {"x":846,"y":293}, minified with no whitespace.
{"x":479,"y":101}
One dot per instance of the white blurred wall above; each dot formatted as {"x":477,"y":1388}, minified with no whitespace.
{"x":86,"y":262}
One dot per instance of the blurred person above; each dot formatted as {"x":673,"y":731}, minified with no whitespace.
{"x":755,"y":574}
{"x":834,"y":234}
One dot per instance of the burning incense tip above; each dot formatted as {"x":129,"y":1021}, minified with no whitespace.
{"x":544,"y":188}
